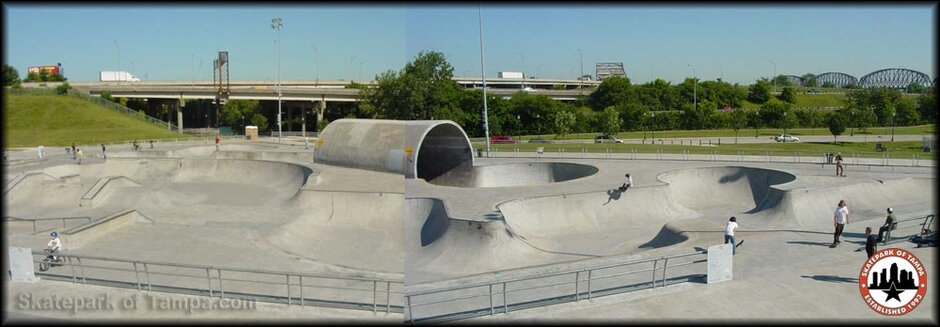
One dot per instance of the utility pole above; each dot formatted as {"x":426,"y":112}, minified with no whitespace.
{"x":486,"y":123}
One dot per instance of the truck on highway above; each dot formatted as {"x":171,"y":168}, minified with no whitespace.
{"x":117,"y":76}
{"x":511,"y":75}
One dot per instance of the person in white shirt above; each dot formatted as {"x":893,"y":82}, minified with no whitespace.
{"x":839,"y":220}
{"x":628,"y":184}
{"x":54,"y":245}
{"x":730,"y":228}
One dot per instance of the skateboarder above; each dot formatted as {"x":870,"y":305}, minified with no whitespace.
{"x":730,"y":228}
{"x":628,"y":184}
{"x":80,"y":155}
{"x":840,"y":171}
{"x":839,"y":220}
{"x":104,"y":152}
{"x":870,"y":242}
{"x":217,"y":140}
{"x":73,"y":151}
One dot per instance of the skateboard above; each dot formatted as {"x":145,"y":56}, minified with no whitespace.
{"x":739,"y":243}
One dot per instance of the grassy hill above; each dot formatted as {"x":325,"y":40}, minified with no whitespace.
{"x":59,"y":120}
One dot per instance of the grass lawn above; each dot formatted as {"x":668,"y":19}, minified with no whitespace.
{"x":899,"y":150}
{"x":59,"y":120}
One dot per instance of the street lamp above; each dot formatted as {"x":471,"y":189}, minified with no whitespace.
{"x":523,"y":69}
{"x":694,"y":89}
{"x":785,"y":122}
{"x":582,"y":68}
{"x":277,"y":24}
{"x":775,"y":74}
{"x":317,"y":64}
{"x":653,"y":130}
{"x":486,"y":122}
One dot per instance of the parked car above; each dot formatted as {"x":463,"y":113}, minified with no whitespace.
{"x":540,"y":140}
{"x":786,"y":138}
{"x":502,"y":139}
{"x":607,"y":139}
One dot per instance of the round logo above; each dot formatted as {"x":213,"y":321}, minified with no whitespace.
{"x":893,"y":282}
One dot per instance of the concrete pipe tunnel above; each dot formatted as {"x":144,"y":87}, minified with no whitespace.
{"x":416,"y":149}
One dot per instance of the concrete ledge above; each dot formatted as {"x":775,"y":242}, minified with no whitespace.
{"x":19,"y":179}
{"x":83,"y":234}
{"x":100,"y":190}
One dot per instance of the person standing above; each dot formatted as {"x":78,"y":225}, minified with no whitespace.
{"x":889,"y":225}
{"x":217,"y":142}
{"x":73,"y":151}
{"x":104,"y":152}
{"x":151,"y":144}
{"x":80,"y":155}
{"x":730,"y":228}
{"x":840,"y":171}
{"x":870,"y":242}
{"x":41,"y":154}
{"x":840,"y":219}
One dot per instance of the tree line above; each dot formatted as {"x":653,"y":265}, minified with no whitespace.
{"x":423,"y":89}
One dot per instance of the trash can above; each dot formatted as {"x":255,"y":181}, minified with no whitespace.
{"x":828,"y":157}
{"x":479,"y":153}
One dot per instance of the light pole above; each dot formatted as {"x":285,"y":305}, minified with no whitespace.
{"x":486,"y":123}
{"x":775,"y":74}
{"x":694,"y":89}
{"x":653,"y":130}
{"x":538,"y":71}
{"x":785,"y":122}
{"x":523,"y":68}
{"x":317,"y":64}
{"x":277,"y":24}
{"x":581,"y":63}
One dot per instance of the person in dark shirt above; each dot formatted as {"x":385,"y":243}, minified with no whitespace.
{"x":887,"y":226}
{"x":870,"y":242}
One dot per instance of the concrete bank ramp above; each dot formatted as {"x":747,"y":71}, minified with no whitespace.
{"x":866,"y":199}
{"x":517,"y":174}
{"x":353,"y":229}
{"x":438,"y":247}
{"x":728,"y":189}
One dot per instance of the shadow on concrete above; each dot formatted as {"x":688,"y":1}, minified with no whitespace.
{"x":613,"y":194}
{"x":666,"y":237}
{"x":832,"y":279}
{"x":826,"y":244}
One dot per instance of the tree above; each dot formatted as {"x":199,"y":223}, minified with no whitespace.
{"x":631,"y":114}
{"x":828,"y":85}
{"x":915,"y":88}
{"x":774,"y":113}
{"x":564,"y":120}
{"x":907,"y":112}
{"x":106,"y":95}
{"x":808,"y":80}
{"x":234,"y":112}
{"x":927,"y":105}
{"x":782,"y":80}
{"x":63,"y":89}
{"x":738,"y":121}
{"x":788,"y":95}
{"x":421,"y":87}
{"x":759,"y":92}
{"x":836,"y":126}
{"x":260,"y":121}
{"x":608,"y":122}
{"x":10,"y":75}
{"x":754,"y":120}
{"x":613,"y":90}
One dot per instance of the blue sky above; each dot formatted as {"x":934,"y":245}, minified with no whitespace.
{"x":357,"y":42}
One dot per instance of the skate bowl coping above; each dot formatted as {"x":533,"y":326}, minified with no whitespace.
{"x":517,"y":174}
{"x":417,"y":149}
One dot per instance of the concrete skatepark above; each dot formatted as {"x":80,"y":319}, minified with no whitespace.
{"x":469,"y":220}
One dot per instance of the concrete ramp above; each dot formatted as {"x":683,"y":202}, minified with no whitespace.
{"x":735,"y":189}
{"x":103,"y":188}
{"x":81,"y":235}
{"x":354,"y":229}
{"x":462,"y":247}
{"x":518,"y":174}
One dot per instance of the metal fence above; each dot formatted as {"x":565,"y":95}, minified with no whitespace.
{"x":359,"y":293}
{"x":868,"y":159}
{"x":119,"y":108}
{"x":501,"y":296}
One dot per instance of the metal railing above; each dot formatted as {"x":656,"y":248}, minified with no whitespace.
{"x":291,"y":288}
{"x":869,"y":159}
{"x":505,"y":295}
{"x":119,"y":108}
{"x":36,"y":221}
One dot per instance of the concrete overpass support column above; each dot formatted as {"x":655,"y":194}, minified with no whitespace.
{"x":179,"y":115}
{"x":321,"y":109}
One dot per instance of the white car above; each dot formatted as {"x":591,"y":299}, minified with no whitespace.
{"x":607,"y":139}
{"x":786,"y":138}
